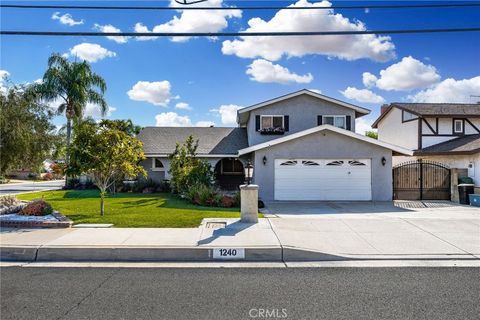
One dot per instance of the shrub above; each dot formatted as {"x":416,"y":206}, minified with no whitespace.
{"x":32,"y":176}
{"x":37,"y":208}
{"x":48,"y":176}
{"x":73,"y":183}
{"x":203,"y":195}
{"x":58,"y":170}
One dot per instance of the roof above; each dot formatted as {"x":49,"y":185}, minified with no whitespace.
{"x":242,"y":114}
{"x":468,"y":144}
{"x":434,"y":109}
{"x":396,"y":149}
{"x":212,"y":141}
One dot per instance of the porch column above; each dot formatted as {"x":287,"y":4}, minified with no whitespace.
{"x":249,"y":203}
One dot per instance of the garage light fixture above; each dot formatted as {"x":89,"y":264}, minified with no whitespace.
{"x":264,"y":160}
{"x":384,"y":161}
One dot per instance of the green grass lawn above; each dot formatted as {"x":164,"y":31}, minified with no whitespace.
{"x":160,"y":210}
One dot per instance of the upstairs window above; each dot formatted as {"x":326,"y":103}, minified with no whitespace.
{"x":458,"y":126}
{"x":407,"y":116}
{"x":271,"y":122}
{"x":337,"y":121}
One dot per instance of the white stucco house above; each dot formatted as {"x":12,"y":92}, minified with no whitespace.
{"x":303,"y":146}
{"x":448,"y":133}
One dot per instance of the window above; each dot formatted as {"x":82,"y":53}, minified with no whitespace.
{"x":269,"y":122}
{"x":157,"y":165}
{"x":337,"y":121}
{"x":335,"y":163}
{"x":356,"y":163}
{"x":407,"y":116}
{"x":309,"y":163}
{"x":232,"y":166}
{"x":289,"y":163}
{"x":458,"y":126}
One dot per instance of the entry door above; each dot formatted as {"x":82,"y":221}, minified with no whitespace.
{"x":323,"y":179}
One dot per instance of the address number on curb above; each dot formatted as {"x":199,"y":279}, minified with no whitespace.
{"x":229,"y":253}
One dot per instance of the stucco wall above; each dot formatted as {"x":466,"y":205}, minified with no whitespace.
{"x":328,"y":145}
{"x":302,"y":111}
{"x":392,"y":130}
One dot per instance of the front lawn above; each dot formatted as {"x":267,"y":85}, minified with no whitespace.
{"x":160,"y":210}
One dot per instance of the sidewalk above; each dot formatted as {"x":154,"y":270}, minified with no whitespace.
{"x":435,"y":234}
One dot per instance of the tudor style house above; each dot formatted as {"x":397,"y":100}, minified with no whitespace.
{"x":303,"y":147}
{"x":448,"y":133}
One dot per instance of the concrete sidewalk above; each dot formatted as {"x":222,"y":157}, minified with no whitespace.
{"x":419,"y":234}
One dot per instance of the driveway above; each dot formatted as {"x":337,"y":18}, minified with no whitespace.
{"x":16,"y":188}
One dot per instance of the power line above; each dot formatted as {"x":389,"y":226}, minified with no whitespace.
{"x":414,"y":6}
{"x":231,"y":34}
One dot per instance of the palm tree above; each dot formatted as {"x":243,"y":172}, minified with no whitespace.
{"x":73,"y":84}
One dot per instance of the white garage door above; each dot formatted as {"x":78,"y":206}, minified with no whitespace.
{"x":323,"y":179}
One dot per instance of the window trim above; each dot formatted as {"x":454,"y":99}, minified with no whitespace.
{"x":272,"y":115}
{"x":154,"y":168}
{"x":336,"y":116}
{"x":454,"y":131}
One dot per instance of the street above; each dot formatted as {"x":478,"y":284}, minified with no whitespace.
{"x":16,"y":188}
{"x":239,"y":293}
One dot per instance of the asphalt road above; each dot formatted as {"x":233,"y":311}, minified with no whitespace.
{"x":31,"y":186}
{"x":299,"y":293}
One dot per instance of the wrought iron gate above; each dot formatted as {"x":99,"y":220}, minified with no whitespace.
{"x":421,"y":180}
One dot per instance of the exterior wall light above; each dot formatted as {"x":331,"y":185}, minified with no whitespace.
{"x":248,"y":172}
{"x":264,"y":160}
{"x":384,"y":161}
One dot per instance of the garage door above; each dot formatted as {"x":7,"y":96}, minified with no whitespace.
{"x":323,"y":179}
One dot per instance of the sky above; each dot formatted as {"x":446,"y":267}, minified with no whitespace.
{"x":203,"y":81}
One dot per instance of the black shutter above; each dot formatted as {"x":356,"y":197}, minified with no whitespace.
{"x":349,"y":123}
{"x":319,"y":120}
{"x":286,"y":123}
{"x":257,"y":123}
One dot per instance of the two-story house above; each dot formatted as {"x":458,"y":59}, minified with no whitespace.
{"x":303,"y":147}
{"x":448,"y":133}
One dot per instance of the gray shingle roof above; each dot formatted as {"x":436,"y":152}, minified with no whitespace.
{"x":463,"y":145}
{"x":440,"y":109}
{"x":212,"y":141}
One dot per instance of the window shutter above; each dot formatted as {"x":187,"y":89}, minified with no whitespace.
{"x":319,"y":120}
{"x":349,"y":122}
{"x":286,"y":123}
{"x":257,"y":123}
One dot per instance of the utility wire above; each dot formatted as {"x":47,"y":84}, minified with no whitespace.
{"x":414,"y":6}
{"x":232,"y":34}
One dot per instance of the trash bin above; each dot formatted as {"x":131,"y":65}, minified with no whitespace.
{"x":475,"y":200}
{"x":464,"y":190}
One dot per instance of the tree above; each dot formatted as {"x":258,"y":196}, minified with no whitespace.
{"x":73,"y":85}
{"x":27,"y":135}
{"x":106,"y":153}
{"x":186,"y":169}
{"x":372,"y":134}
{"x":124,"y":125}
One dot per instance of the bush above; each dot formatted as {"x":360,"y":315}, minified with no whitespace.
{"x":32,"y":176}
{"x":4,"y":179}
{"x":37,"y":208}
{"x":73,"y":183}
{"x":58,"y":170}
{"x":48,"y":176}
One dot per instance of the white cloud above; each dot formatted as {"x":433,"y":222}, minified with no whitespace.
{"x":205,"y":124}
{"x":368,"y":79}
{"x":362,"y":95}
{"x":228,"y":113}
{"x":348,"y":47}
{"x":90,"y":52}
{"x":193,"y":21}
{"x":4,"y":74}
{"x":110,"y":28}
{"x":140,"y":27}
{"x":362,"y":126}
{"x":408,"y":74}
{"x":172,"y":119}
{"x":450,"y":90}
{"x":157,"y":92}
{"x":92,"y":110}
{"x":316,"y":91}
{"x":66,"y":19}
{"x":183,"y":106}
{"x":264,"y":71}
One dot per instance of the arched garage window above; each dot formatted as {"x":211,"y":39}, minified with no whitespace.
{"x":157,"y":165}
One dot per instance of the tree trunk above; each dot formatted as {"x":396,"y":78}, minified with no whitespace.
{"x":102,"y":203}
{"x":69,"y":137}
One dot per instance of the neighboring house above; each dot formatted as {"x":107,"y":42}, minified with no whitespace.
{"x":448,"y":133}
{"x":303,"y":147}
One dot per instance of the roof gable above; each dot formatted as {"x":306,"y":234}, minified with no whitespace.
{"x":394,"y":148}
{"x":242,"y":114}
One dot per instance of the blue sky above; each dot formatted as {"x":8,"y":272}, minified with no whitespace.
{"x":197,"y":81}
